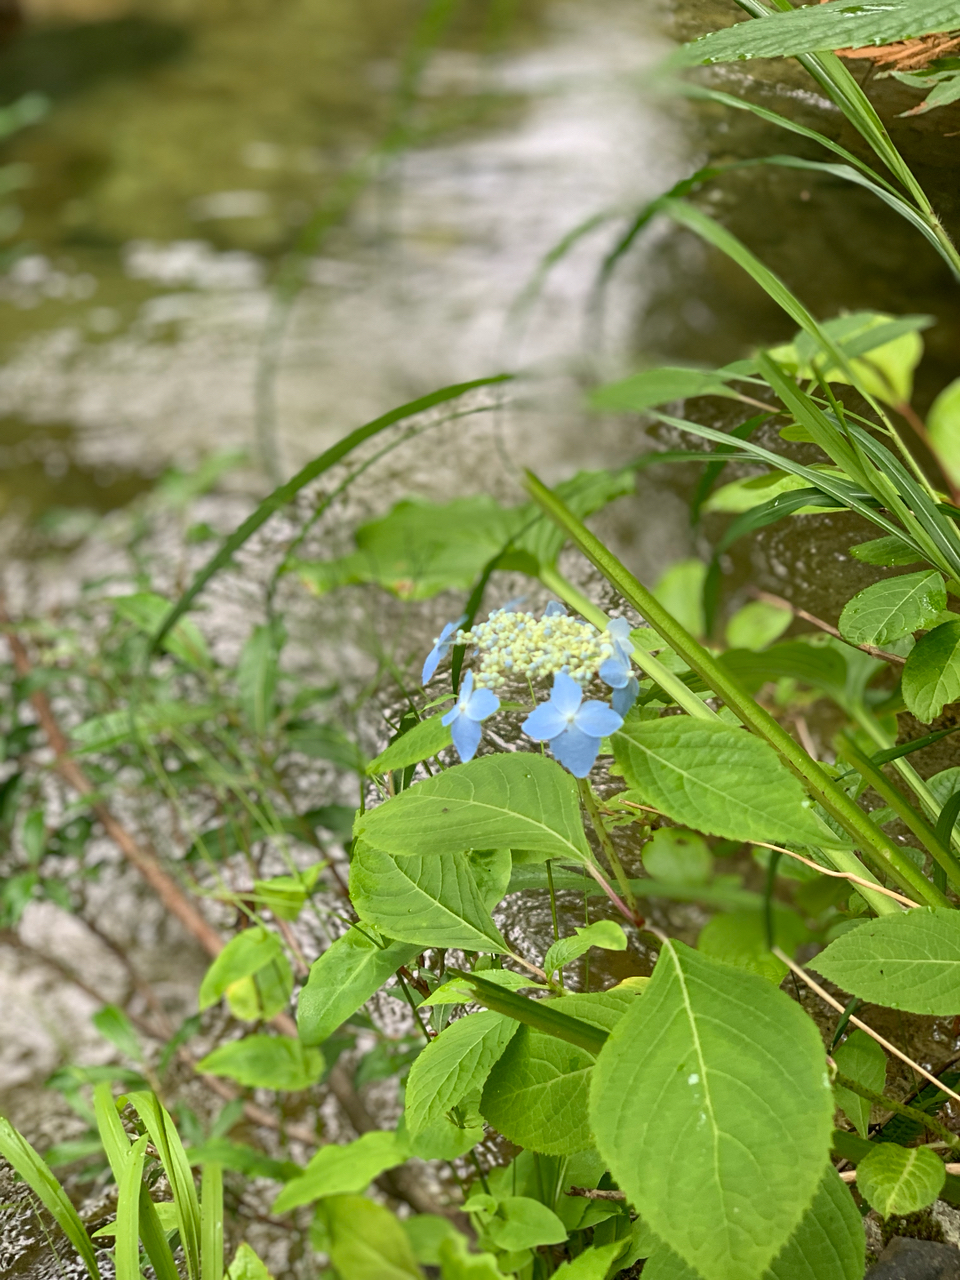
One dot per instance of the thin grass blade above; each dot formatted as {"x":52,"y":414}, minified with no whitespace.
{"x":38,"y":1177}
{"x":534,"y":1013}
{"x":163,"y":1134}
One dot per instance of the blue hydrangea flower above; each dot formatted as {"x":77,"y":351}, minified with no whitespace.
{"x":441,"y":647}
{"x":617,"y":670}
{"x":472,"y":706}
{"x":555,"y":610}
{"x":571,"y":726}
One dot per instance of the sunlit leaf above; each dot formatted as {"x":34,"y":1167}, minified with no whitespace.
{"x":453,"y":1065}
{"x":943,"y":425}
{"x":423,"y":899}
{"x":338,"y":1170}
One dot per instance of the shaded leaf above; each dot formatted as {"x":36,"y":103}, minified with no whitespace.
{"x":457,"y":1062}
{"x":861,"y":1059}
{"x":931,"y":675}
{"x":739,"y":938}
{"x":604,"y":933}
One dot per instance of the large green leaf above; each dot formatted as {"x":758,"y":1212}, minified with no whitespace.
{"x":895,"y":607}
{"x":829,"y":1243}
{"x":453,"y":1065}
{"x":931,"y":676}
{"x":265,"y":1062}
{"x":423,"y":899}
{"x":840,"y":24}
{"x":896,"y":1179}
{"x":717,"y":779}
{"x":524,"y":1223}
{"x":337,"y":1170}
{"x":518,"y":801}
{"x":537,"y":1093}
{"x":344,"y":978}
{"x":862,"y":1060}
{"x":906,"y":961}
{"x":695,"y":1103}
{"x":366,"y":1242}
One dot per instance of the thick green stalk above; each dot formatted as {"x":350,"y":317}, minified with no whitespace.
{"x":648,"y":664}
{"x":900,"y":805}
{"x":882,"y":852}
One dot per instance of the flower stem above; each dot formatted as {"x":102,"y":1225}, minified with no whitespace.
{"x":603,"y":835}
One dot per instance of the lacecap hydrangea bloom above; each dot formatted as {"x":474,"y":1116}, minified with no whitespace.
{"x":513,"y":645}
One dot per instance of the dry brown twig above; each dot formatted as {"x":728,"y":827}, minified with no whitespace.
{"x":778,"y":601}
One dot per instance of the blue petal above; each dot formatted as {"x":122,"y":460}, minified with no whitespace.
{"x":431,"y":664}
{"x":596,"y":719}
{"x":481,"y":703}
{"x":554,"y":610}
{"x":614,"y":671}
{"x":544,"y":722}
{"x":566,"y":694}
{"x":576,"y":751}
{"x":623,"y":699}
{"x":452,"y":714}
{"x":620,"y":629}
{"x":466,"y":737}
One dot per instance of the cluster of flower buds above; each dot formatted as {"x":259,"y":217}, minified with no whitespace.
{"x":511,"y":645}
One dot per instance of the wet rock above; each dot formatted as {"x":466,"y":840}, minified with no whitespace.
{"x":905,"y":1259}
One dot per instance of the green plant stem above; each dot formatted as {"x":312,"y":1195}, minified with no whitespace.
{"x":901,"y":1109}
{"x":667,"y":681}
{"x":898,"y":802}
{"x":882,"y":852}
{"x":603,"y":835}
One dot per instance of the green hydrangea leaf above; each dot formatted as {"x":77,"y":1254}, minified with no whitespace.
{"x":456,"y":1063}
{"x":906,"y":961}
{"x":336,"y":1170}
{"x":931,"y":675}
{"x":427,"y":900}
{"x":517,"y":801}
{"x":694,"y":1103}
{"x":716,"y":778}
{"x":265,"y":1062}
{"x":861,"y":1059}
